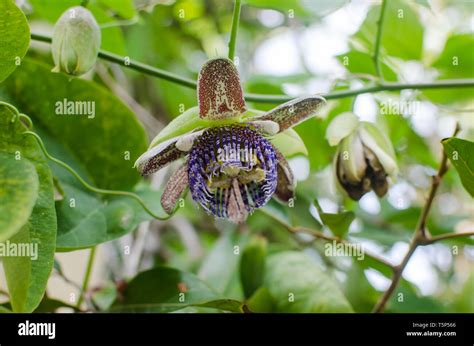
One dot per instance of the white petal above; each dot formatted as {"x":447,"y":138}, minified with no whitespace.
{"x":267,"y":127}
{"x":380,"y":145}
{"x":352,"y":158}
{"x":185,"y":142}
{"x":341,"y":126}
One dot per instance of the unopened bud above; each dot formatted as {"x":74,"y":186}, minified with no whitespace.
{"x":76,"y":41}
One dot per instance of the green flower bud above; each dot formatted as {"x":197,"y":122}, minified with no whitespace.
{"x":76,"y":41}
{"x":365,"y":157}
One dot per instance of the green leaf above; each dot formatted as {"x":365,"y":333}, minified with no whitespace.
{"x":409,"y":146}
{"x":124,"y":8}
{"x":313,"y":133}
{"x":220,"y":267}
{"x":163,"y":289}
{"x":413,"y":301}
{"x":360,"y":293}
{"x":223,"y":304}
{"x":102,"y":142}
{"x":26,"y":276}
{"x":4,"y":310}
{"x":461,"y":154}
{"x":18,"y":193}
{"x":252,"y":265}
{"x":457,"y":58}
{"x":300,"y":8}
{"x":261,"y":301}
{"x":289,"y":143}
{"x":185,"y":122}
{"x":14,"y":37}
{"x":361,"y":63}
{"x":402,"y":34}
{"x":424,"y":3}
{"x":105,"y":296}
{"x":297,"y":284}
{"x":84,"y":220}
{"x":456,"y":61}
{"x":338,"y":223}
{"x":463,"y":302}
{"x":51,"y":305}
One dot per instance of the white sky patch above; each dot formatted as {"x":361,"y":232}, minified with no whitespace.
{"x":401,"y":195}
{"x":424,"y":119}
{"x":327,"y":205}
{"x":450,"y":204}
{"x":446,"y":126}
{"x":420,"y":175}
{"x":278,"y":56}
{"x":420,"y":271}
{"x":300,"y":167}
{"x":348,"y":18}
{"x":321,"y":45}
{"x":366,"y":108}
{"x":396,"y":253}
{"x":370,"y":203}
{"x":377,"y":280}
{"x":441,"y":255}
{"x":270,"y":18}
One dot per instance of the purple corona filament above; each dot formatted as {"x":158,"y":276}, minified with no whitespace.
{"x":232,"y":171}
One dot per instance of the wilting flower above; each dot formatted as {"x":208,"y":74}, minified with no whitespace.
{"x":232,"y":167}
{"x":76,"y":41}
{"x":365,"y":157}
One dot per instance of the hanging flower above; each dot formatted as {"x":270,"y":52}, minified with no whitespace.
{"x":232,"y":163}
{"x":76,"y":41}
{"x":365,"y":157}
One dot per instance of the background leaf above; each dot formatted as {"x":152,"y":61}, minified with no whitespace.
{"x":461,"y":153}
{"x":294,"y":273}
{"x":402,"y":33}
{"x":14,"y":37}
{"x":252,"y":265}
{"x":84,"y":220}
{"x":100,"y":143}
{"x":158,"y":290}
{"x":27,"y":278}
{"x":18,"y":192}
{"x":338,"y":223}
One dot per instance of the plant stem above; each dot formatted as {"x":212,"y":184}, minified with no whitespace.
{"x":378,"y":41}
{"x":87,"y":276}
{"x":92,"y":188}
{"x":421,"y":236}
{"x":189,"y":83}
{"x":235,"y":26}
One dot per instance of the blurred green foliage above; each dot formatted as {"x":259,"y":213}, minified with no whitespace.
{"x":199,"y":264}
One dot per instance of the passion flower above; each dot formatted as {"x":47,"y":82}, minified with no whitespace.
{"x":231,"y":167}
{"x":76,"y":41}
{"x":365,"y":158}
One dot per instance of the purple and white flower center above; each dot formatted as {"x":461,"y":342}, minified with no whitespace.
{"x":232,"y":171}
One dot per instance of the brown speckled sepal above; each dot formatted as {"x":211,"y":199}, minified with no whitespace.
{"x":174,"y":189}
{"x":158,"y":157}
{"x":285,"y":189}
{"x":219,"y":91}
{"x":293,"y":112}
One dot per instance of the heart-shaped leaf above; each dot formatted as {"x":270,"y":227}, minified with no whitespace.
{"x":297,"y":285}
{"x":18,"y":192}
{"x":28,"y":275}
{"x":14,"y":37}
{"x":461,"y":153}
{"x":87,"y":119}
